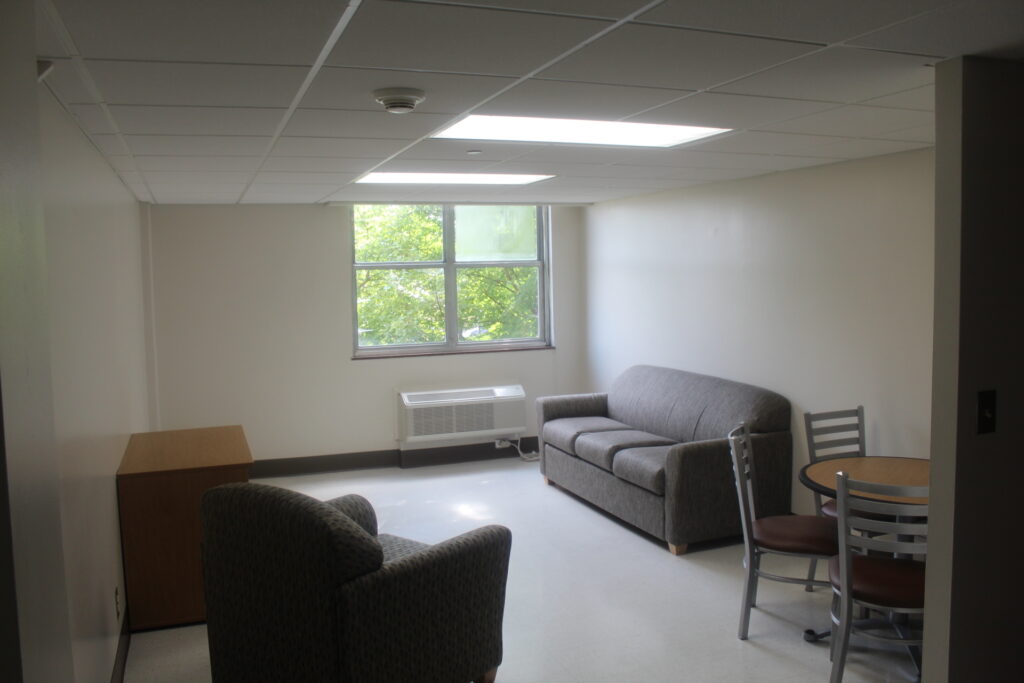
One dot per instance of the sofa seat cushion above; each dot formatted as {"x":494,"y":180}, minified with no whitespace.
{"x":643,"y":466}
{"x":562,"y":433}
{"x":600,"y":448}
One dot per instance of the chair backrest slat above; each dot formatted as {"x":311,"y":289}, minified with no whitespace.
{"x":743,"y":469}
{"x":828,"y":432}
{"x":880,"y":525}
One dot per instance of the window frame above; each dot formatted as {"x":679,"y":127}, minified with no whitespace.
{"x":450,"y":268}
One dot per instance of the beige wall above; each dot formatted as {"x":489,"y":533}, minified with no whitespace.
{"x":254,"y":326}
{"x":98,"y":368}
{"x":34,"y":641}
{"x":816,"y":283}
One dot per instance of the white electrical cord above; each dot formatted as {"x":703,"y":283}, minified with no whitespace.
{"x":528,"y":457}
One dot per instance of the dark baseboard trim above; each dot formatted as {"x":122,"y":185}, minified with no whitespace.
{"x":121,"y":657}
{"x":341,"y":462}
{"x":313,"y":464}
{"x":447,"y":455}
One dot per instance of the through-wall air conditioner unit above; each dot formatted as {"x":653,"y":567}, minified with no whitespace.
{"x":428,"y":418}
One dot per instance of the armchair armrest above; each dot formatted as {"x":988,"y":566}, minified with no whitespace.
{"x":430,"y":616}
{"x":358,"y":509}
{"x":570,"y":405}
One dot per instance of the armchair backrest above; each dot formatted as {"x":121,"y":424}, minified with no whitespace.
{"x":686,"y":406}
{"x":273,"y":563}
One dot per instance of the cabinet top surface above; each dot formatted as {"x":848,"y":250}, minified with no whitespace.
{"x":185,"y":449}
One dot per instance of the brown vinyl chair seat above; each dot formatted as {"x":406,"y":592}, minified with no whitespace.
{"x":801,"y":534}
{"x":884,"y":580}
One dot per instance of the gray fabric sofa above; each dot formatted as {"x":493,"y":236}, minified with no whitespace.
{"x":305,"y":591}
{"x":653,"y":451}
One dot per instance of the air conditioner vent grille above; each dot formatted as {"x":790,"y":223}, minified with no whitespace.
{"x":428,"y":417}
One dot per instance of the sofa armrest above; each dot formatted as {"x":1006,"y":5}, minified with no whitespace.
{"x":432,"y":615}
{"x":700,"y":490}
{"x":358,"y":509}
{"x":570,"y":405}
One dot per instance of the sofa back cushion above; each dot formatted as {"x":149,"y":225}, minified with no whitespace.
{"x":686,"y":406}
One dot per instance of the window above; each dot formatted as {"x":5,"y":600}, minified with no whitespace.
{"x":433,"y":278}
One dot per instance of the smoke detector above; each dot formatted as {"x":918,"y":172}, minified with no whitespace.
{"x":399,"y":100}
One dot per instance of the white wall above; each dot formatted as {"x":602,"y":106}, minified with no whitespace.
{"x":815,"y":283}
{"x":34,"y":640}
{"x":254,"y":327}
{"x":98,"y":369}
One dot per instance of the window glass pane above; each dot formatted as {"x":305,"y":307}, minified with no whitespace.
{"x":400,"y":306}
{"x":498,"y":303}
{"x":397,"y":232}
{"x":495,"y":233}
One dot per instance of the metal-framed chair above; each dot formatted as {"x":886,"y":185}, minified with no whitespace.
{"x":808,"y":536}
{"x":880,"y":565}
{"x":833,"y":434}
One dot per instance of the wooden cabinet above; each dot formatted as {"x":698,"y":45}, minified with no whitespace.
{"x":160,"y":482}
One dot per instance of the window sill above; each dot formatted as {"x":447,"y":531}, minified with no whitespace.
{"x":406,"y":353}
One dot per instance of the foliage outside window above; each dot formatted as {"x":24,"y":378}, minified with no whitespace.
{"x":432,"y":278}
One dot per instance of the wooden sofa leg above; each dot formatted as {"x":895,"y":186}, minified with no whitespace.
{"x":677,"y":549}
{"x":547,"y":481}
{"x":487,"y":677}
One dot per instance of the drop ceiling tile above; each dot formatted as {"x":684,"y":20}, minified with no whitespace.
{"x":547,"y":168}
{"x":190,"y":193}
{"x":402,"y":35}
{"x":855,"y":121}
{"x":922,"y":98}
{"x":819,"y":21}
{"x":287,"y":193}
{"x":342,"y":88}
{"x":134,"y":120}
{"x":919,"y":134}
{"x":123,"y":163}
{"x":987,"y":28}
{"x":206,"y":85}
{"x":91,"y":118}
{"x":435,"y":166}
{"x":131,"y":177}
{"x":66,"y":83}
{"x":607,"y":9}
{"x":285,"y":178}
{"x":587,"y":154}
{"x":358,"y":148}
{"x":663,"y":57}
{"x":197,"y":145}
{"x":615,"y":183}
{"x":341,"y":123}
{"x":565,"y":99}
{"x":457,"y":150}
{"x":856,"y":149}
{"x":705,"y":159}
{"x":838,"y":74}
{"x":374,"y":193}
{"x":720,"y":110}
{"x":197,"y":163}
{"x":767,"y":143}
{"x":683,"y":173}
{"x":197,"y":177}
{"x":225,"y":31}
{"x":110,"y":145}
{"x":318,"y":164}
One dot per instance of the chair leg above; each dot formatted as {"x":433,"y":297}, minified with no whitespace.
{"x":487,"y":677}
{"x":841,"y":640}
{"x":811,"y":571}
{"x":749,"y":595}
{"x":757,"y":568}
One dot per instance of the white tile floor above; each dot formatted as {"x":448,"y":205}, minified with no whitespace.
{"x":589,"y":599}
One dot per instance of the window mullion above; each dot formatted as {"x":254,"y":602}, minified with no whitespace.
{"x":451,"y":304}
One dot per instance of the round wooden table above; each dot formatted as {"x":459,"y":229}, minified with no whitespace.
{"x":821,"y":476}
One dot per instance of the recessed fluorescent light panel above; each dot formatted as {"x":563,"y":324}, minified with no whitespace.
{"x":574,"y":131}
{"x":452,"y":178}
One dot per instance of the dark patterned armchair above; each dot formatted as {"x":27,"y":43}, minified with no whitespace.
{"x":301,"y":590}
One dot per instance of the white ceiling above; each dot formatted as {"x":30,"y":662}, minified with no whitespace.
{"x":239,"y":101}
